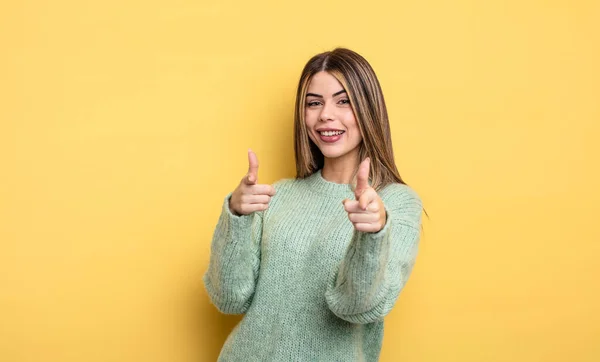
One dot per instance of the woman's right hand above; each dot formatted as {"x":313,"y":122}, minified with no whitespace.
{"x":249,"y":196}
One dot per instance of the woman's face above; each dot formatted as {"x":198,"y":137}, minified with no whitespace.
{"x":329,"y":118}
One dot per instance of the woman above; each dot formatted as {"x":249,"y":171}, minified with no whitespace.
{"x":317,"y":261}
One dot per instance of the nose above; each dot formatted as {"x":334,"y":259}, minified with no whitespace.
{"x":326,"y":113}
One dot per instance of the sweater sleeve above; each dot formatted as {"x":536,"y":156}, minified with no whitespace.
{"x":234,"y":260}
{"x":376,"y":266}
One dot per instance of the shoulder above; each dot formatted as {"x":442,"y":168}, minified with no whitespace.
{"x":403,"y":201}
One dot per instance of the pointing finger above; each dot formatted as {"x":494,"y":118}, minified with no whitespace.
{"x":352,"y":206}
{"x":262,"y":190}
{"x":252,"y":176}
{"x":366,"y":198}
{"x":362,"y":177}
{"x":363,"y":217}
{"x":256,"y":199}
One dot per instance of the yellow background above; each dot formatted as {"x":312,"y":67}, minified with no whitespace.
{"x":125,"y":123}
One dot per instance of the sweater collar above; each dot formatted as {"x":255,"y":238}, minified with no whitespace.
{"x":317,"y":183}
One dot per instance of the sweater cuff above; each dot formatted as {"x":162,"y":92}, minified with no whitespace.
{"x":235,"y":222}
{"x":375,"y":243}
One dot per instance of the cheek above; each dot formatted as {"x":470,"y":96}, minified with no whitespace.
{"x":309,"y":118}
{"x":352,"y":124}
{"x":309,"y":124}
{"x":350,"y":121}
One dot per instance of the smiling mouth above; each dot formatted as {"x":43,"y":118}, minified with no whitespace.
{"x":330,"y":133}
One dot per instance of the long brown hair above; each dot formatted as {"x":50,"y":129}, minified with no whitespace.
{"x":366,"y":99}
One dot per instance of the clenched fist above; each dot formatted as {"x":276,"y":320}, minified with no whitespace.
{"x":249,"y":196}
{"x":367,"y":212}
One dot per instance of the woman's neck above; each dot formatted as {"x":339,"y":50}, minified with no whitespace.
{"x":342,"y":169}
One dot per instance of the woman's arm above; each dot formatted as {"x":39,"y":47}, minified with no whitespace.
{"x":376,"y":266}
{"x":234,"y":260}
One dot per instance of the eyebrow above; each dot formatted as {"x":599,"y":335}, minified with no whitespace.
{"x":320,"y":96}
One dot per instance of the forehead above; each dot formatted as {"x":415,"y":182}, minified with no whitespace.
{"x":324,"y":83}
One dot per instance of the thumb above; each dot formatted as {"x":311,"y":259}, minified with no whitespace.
{"x":362,"y":177}
{"x":252,"y":177}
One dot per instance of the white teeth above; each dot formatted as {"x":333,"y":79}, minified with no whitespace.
{"x":331,"y":133}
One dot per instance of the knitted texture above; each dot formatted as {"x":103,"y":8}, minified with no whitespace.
{"x":312,"y":288}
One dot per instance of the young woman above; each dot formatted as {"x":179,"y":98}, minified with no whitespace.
{"x":317,"y":261}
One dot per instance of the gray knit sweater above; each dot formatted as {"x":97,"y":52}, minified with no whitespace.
{"x":312,"y":288}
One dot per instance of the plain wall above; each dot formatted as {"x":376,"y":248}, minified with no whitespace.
{"x":125,"y":123}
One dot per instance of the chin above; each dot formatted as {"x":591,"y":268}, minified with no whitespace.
{"x":336,"y":151}
{"x":333,"y":155}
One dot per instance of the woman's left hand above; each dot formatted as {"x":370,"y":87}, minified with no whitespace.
{"x":367,"y":212}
